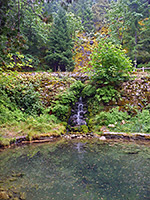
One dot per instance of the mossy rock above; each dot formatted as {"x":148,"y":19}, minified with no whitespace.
{"x":84,"y":129}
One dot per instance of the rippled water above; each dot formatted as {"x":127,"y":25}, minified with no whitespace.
{"x":78,"y":170}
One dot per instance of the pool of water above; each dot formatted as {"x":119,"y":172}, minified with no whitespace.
{"x":77,"y":170}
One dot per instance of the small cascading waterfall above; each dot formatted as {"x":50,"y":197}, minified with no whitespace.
{"x":77,"y":117}
{"x":80,"y":113}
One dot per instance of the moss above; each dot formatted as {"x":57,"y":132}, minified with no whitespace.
{"x":84,"y":129}
{"x":4,"y":142}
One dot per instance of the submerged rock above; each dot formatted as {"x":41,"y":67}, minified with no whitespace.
{"x":4,"y":195}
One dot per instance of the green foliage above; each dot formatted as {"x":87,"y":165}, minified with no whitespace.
{"x":74,"y":24}
{"x":84,"y":129}
{"x":110,"y":63}
{"x":9,"y":110}
{"x":106,"y":94}
{"x":82,"y":8}
{"x":127,"y":25}
{"x":89,"y":90}
{"x":68,"y":98}
{"x":123,"y":122}
{"x":77,"y":87}
{"x":26,"y":99}
{"x":18,"y":95}
{"x":17,"y":61}
{"x":111,"y":117}
{"x":59,"y":56}
{"x":62,"y":107}
{"x":61,"y":111}
{"x":7,"y":115}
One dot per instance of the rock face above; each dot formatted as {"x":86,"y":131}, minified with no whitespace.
{"x":135,"y":92}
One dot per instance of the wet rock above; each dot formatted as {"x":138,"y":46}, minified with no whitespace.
{"x":15,"y":198}
{"x":123,"y":122}
{"x":102,"y":138}
{"x":73,"y":136}
{"x":4,"y":195}
{"x":111,"y":125}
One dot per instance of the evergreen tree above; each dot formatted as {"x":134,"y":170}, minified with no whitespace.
{"x":99,"y":12}
{"x":144,"y":49}
{"x":83,"y":9}
{"x":60,"y":54}
{"x":125,"y":17}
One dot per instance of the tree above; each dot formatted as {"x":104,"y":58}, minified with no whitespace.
{"x":125,"y":27}
{"x":59,"y":55}
{"x":144,"y":49}
{"x":99,"y":12}
{"x":83,"y":9}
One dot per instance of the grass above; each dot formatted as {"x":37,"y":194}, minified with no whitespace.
{"x":32,"y":128}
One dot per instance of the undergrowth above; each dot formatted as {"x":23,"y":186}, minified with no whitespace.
{"x":120,"y":121}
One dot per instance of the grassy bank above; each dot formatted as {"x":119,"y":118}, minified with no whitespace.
{"x":37,"y":105}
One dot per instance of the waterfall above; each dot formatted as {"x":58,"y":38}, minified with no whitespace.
{"x":77,"y":117}
{"x":80,"y":113}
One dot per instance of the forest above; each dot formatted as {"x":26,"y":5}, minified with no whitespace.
{"x":46,"y":44}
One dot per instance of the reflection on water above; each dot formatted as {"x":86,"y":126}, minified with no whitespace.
{"x":87,"y":170}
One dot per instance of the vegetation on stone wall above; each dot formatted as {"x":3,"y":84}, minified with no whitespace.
{"x":92,"y":37}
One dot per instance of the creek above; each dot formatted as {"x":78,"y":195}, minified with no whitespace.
{"x":77,"y":170}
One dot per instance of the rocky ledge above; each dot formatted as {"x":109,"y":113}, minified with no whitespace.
{"x":102,"y":136}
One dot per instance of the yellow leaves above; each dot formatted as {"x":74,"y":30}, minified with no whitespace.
{"x":17,"y":61}
{"x":142,"y":21}
{"x":84,"y":47}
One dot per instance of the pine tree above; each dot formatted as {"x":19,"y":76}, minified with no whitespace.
{"x":83,"y":9}
{"x":59,"y":56}
{"x":125,"y":18}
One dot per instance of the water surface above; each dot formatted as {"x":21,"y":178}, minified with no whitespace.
{"x":78,"y":170}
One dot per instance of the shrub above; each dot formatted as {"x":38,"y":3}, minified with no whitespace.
{"x":110,"y":63}
{"x":89,"y":90}
{"x":77,"y":87}
{"x":61,"y":111}
{"x":111,"y":117}
{"x":107,"y":94}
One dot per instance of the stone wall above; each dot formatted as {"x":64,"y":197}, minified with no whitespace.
{"x":135,"y":93}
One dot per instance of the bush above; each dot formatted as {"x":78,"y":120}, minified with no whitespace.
{"x":106,"y":94}
{"x":77,"y":87}
{"x":61,"y":111}
{"x":110,"y":63}
{"x":68,"y":98}
{"x":25,"y":98}
{"x":138,"y":123}
{"x":89,"y":90}
{"x":111,"y":117}
{"x":9,"y":110}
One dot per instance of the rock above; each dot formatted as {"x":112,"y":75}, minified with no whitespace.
{"x":23,"y":196}
{"x":104,"y":129}
{"x":111,"y":126}
{"x":102,"y":138}
{"x":10,"y":193}
{"x":123,"y":122}
{"x":16,"y":198}
{"x":4,"y":195}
